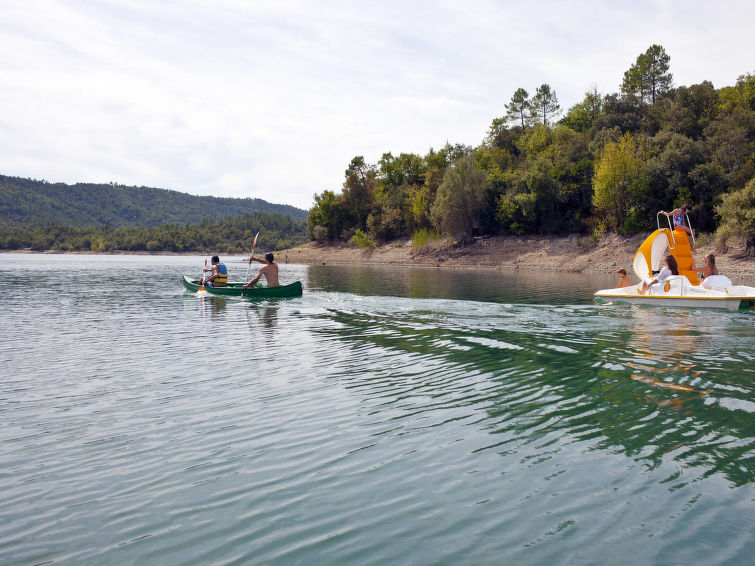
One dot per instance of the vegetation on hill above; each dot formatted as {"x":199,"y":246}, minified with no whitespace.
{"x":609,"y":163}
{"x":89,"y":217}
{"x":29,"y":202}
{"x":230,"y":235}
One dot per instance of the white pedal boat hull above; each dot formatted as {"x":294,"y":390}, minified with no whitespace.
{"x":677,"y":291}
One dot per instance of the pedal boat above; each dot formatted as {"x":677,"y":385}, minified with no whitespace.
{"x":683,"y":290}
{"x":677,"y":291}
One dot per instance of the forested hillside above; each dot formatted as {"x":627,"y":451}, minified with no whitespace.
{"x":28,"y":202}
{"x":230,"y":235}
{"x":87,"y":217}
{"x":609,"y":163}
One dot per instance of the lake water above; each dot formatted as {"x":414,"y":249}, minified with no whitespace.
{"x":388,"y":416}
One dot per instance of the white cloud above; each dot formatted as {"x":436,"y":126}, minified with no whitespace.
{"x":273,"y":99}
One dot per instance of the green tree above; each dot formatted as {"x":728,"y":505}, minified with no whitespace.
{"x":620,"y":180}
{"x":419,"y":201}
{"x":358,"y":192}
{"x":675,"y":156}
{"x":649,"y":77}
{"x":708,"y":183}
{"x":691,"y":110}
{"x":535,"y":141}
{"x":544,"y":104}
{"x":499,"y":136}
{"x":583,"y":115}
{"x":506,"y":214}
{"x":327,"y":217}
{"x":740,"y":96}
{"x":737,"y":212}
{"x":460,"y":200}
{"x":731,"y":144}
{"x":544,"y":190}
{"x":398,"y":181}
{"x":406,"y":169}
{"x":518,"y":109}
{"x":619,"y":112}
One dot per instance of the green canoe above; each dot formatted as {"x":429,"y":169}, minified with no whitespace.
{"x":235,"y":290}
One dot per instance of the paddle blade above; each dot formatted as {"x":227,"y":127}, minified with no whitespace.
{"x":201,"y":279}
{"x":254,"y":244}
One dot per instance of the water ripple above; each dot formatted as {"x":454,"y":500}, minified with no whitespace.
{"x":366,"y":428}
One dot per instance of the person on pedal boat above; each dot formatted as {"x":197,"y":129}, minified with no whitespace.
{"x":677,"y":217}
{"x":218,"y":274}
{"x":269,"y":270}
{"x":624,"y":280}
{"x":667,"y":271}
{"x":710,"y":276}
{"x":708,"y":268}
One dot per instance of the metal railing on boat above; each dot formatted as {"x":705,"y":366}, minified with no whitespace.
{"x":671,"y":228}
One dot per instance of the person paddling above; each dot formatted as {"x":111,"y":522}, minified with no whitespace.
{"x":219,"y":275}
{"x":269,"y":270}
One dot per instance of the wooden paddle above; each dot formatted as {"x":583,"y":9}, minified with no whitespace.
{"x":201,"y":279}
{"x":248,"y":269}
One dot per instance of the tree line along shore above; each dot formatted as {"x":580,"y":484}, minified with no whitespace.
{"x":229,"y":235}
{"x":604,"y":166}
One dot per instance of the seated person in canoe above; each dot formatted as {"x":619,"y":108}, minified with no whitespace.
{"x":269,"y":270}
{"x":218,"y":276}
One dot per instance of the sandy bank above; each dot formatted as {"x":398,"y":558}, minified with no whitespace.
{"x":565,"y":254}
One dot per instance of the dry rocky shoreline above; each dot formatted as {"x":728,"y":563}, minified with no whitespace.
{"x":566,"y":254}
{"x":562,"y":254}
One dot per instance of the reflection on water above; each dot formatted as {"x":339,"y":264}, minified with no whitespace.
{"x":387,"y":416}
{"x":569,"y":362}
{"x":494,"y":286}
{"x":262,"y":318}
{"x":212,"y":306}
{"x":267,"y":315}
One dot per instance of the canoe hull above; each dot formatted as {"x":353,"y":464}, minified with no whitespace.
{"x":236,"y":290}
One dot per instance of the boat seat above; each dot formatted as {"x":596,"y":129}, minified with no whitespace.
{"x":716,"y":281}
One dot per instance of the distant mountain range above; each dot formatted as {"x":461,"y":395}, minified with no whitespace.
{"x":30,"y":202}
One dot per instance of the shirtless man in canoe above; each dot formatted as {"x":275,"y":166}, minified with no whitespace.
{"x":269,"y":270}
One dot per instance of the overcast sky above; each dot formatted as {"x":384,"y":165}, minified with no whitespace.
{"x":272,"y":99}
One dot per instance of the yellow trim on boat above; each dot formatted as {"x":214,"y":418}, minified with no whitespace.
{"x":683,"y":297}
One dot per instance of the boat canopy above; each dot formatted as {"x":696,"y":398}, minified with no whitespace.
{"x":650,"y":254}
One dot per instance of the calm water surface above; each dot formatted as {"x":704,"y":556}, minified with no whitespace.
{"x":386,"y":417}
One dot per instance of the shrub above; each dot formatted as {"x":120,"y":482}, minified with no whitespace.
{"x":319,"y":233}
{"x":423,"y":237}
{"x":737,"y":212}
{"x":362,"y":240}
